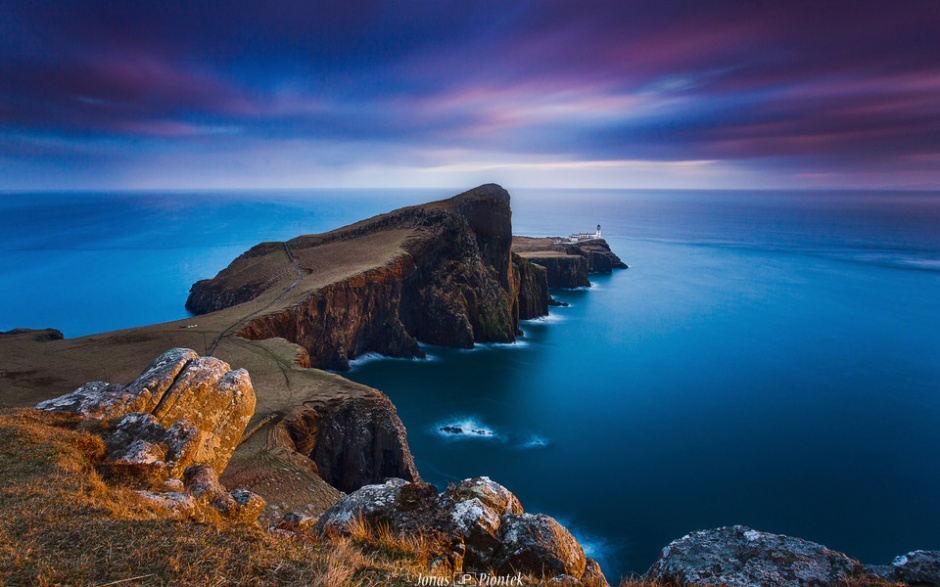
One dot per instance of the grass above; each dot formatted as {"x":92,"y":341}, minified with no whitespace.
{"x":61,"y":524}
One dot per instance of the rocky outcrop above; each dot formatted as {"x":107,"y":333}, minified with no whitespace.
{"x":597,"y":253}
{"x":531,"y":288}
{"x":354,"y":442}
{"x":921,"y":567}
{"x":183,"y":409}
{"x":451,"y":283}
{"x":488,"y":527}
{"x":565,"y":271}
{"x":568,"y":264}
{"x":41,"y":335}
{"x":737,"y":556}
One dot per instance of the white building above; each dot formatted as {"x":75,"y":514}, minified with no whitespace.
{"x":584,"y":236}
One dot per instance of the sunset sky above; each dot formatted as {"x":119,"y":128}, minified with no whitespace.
{"x":433,"y":93}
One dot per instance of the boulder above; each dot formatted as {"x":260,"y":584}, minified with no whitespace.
{"x":739,"y":556}
{"x":593,"y":575}
{"x":921,"y":567}
{"x":537,"y":544}
{"x":184,"y":409}
{"x":238,"y":505}
{"x":484,"y":520}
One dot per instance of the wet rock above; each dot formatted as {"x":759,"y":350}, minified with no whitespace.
{"x":920,"y":567}
{"x":538,"y":544}
{"x":740,"y":556}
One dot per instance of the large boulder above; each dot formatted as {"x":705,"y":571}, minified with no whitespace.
{"x":921,"y":567}
{"x":538,"y":544}
{"x":484,"y":519}
{"x":737,"y":556}
{"x":182,"y":410}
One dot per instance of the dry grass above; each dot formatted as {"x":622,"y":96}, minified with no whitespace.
{"x":61,"y":524}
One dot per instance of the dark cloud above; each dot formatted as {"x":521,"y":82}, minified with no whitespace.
{"x":821,"y":86}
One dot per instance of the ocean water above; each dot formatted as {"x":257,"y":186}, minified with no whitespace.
{"x":770,"y":358}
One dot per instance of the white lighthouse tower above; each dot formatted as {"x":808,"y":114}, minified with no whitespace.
{"x":598,"y":233}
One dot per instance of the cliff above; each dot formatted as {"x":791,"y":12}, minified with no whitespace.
{"x":440,"y":273}
{"x":568,"y":264}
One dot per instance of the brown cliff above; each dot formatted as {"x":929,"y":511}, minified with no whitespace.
{"x":439,"y":273}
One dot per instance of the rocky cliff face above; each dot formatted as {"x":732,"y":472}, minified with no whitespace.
{"x":451,"y":283}
{"x":564,"y":270}
{"x":353,"y":442}
{"x":531,"y":289}
{"x":597,"y":253}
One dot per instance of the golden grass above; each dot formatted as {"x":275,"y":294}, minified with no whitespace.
{"x":61,"y":524}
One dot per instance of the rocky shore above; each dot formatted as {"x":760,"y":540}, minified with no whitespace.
{"x":568,"y":264}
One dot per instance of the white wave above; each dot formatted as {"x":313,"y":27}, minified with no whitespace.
{"x":534,"y":442}
{"x":465,"y":428}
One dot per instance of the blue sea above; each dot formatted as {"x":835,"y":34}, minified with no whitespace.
{"x":770,"y":358}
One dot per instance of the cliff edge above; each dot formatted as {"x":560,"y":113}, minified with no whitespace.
{"x":440,"y":273}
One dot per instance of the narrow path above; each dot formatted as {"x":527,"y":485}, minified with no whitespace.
{"x":300,"y":276}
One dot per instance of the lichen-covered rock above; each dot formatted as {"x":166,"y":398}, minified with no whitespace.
{"x":538,"y":544}
{"x":739,"y":556}
{"x":193,"y":408}
{"x":483,"y":519}
{"x":238,"y":505}
{"x":177,"y":504}
{"x":920,"y":567}
{"x":487,"y":491}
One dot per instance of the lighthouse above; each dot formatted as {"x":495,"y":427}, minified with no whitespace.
{"x":598,"y":233}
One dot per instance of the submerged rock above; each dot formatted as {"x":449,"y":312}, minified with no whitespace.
{"x":737,"y":556}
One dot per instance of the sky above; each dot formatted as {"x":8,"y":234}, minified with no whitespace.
{"x":124,"y":94}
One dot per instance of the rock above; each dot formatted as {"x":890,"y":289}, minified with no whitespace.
{"x":178,"y":504}
{"x":237,"y":506}
{"x":39,"y":335}
{"x":538,"y":544}
{"x":483,"y":518}
{"x":196,"y":408}
{"x":920,"y":567}
{"x":354,"y":442}
{"x":296,"y":522}
{"x":566,"y":271}
{"x":740,"y":556}
{"x":379,"y":502}
{"x":593,"y":575}
{"x":531,"y":287}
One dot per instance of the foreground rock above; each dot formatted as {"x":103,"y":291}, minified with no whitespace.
{"x":485,"y":521}
{"x":739,"y":556}
{"x":921,"y":567}
{"x":182,"y":410}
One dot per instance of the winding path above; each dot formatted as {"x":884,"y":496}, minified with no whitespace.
{"x":300,"y":275}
